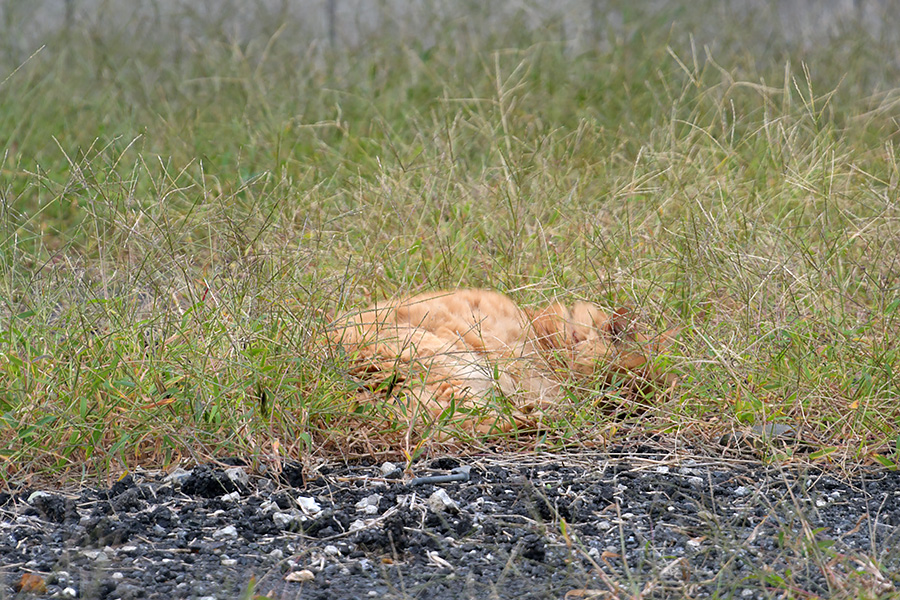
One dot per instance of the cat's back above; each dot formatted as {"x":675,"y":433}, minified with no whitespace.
{"x":465,"y":304}
{"x":485,"y":319}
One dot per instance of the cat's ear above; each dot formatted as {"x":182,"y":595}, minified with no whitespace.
{"x":617,"y":325}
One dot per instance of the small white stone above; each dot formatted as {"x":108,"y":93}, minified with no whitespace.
{"x":388,"y":468}
{"x":286,"y":519}
{"x":232,"y":497}
{"x":696,"y":482}
{"x":228,"y":562}
{"x":357,"y":525}
{"x":747,"y":593}
{"x":238,"y":476}
{"x":69,"y":592}
{"x":741,"y":491}
{"x":300,"y":576}
{"x":662,"y":470}
{"x":117,"y":575}
{"x":228,"y":531}
{"x":369,"y":504}
{"x":35,"y":495}
{"x":439,"y":501}
{"x":178,"y":476}
{"x":331,"y":550}
{"x":277,"y":554}
{"x":309,"y":506}
{"x":694,"y":542}
{"x":820,"y":503}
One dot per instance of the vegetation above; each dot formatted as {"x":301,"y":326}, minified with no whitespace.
{"x":181,"y":210}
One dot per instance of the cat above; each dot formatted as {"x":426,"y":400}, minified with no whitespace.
{"x":456,"y":353}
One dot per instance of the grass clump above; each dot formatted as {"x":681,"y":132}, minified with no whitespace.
{"x":180,"y":209}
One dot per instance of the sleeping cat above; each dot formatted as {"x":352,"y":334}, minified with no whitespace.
{"x":461,"y":351}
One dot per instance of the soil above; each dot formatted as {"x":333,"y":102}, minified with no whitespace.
{"x":532,"y":526}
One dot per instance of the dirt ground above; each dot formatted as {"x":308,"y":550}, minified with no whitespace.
{"x":635,"y":523}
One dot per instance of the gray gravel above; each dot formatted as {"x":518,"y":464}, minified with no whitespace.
{"x":554,"y":526}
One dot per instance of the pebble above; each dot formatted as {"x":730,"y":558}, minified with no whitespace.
{"x":309,"y":506}
{"x":38,"y":495}
{"x":178,"y":476}
{"x":96,"y":555}
{"x":358,"y":525}
{"x":440,"y":501}
{"x":196,"y":550}
{"x":300,"y":576}
{"x":238,"y":476}
{"x":369,"y":504}
{"x":229,"y":531}
{"x":285,"y":520}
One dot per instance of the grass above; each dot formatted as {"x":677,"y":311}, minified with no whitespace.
{"x":181,"y":208}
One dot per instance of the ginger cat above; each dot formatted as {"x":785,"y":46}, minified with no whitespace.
{"x":464,"y":348}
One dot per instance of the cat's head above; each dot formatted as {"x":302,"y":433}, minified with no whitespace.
{"x":593,"y":341}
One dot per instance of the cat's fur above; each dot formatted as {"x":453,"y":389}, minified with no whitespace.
{"x":465,"y":348}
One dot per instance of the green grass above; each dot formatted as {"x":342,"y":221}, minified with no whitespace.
{"x":178,"y":216}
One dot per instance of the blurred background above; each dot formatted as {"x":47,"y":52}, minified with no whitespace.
{"x":350,"y":24}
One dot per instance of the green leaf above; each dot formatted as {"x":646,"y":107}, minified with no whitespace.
{"x":892,"y":306}
{"x":885,"y":461}
{"x":823,"y":452}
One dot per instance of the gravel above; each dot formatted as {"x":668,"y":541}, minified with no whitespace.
{"x":530,"y":526}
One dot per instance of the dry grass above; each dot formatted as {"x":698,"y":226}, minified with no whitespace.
{"x":176,"y":221}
